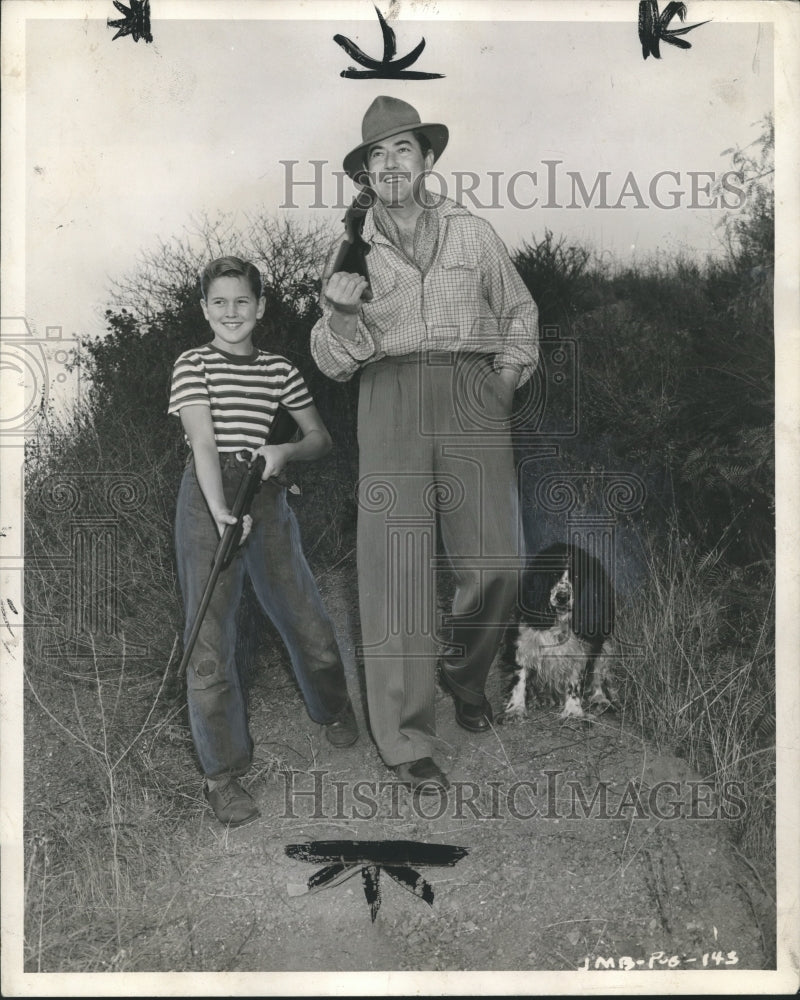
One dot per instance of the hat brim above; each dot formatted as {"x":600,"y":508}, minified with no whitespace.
{"x":436,"y":134}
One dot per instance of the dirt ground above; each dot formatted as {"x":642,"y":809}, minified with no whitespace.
{"x":549,"y":881}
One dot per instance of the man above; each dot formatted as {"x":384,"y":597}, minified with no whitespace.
{"x":448,"y":334}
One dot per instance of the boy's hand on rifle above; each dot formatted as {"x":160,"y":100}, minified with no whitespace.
{"x":275,"y":457}
{"x":344,"y":291}
{"x":224,"y":517}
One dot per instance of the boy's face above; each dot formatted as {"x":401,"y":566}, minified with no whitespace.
{"x":232,"y":311}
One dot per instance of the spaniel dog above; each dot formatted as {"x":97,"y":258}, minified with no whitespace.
{"x":567,"y":651}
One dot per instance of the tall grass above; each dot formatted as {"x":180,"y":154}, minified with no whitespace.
{"x":698,"y":656}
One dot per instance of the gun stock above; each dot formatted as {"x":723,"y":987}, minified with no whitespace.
{"x":352,"y":254}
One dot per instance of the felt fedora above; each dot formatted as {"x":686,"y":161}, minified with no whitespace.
{"x":388,"y":116}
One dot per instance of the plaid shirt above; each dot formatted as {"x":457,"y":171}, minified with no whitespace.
{"x":470,"y":299}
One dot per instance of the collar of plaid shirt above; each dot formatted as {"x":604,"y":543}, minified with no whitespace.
{"x":426,"y":233}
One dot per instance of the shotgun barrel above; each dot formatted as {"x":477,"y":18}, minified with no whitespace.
{"x":226,"y":550}
{"x":282,"y":430}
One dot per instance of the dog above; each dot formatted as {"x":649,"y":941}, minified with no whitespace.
{"x":570,"y":648}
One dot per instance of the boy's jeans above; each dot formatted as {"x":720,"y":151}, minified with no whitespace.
{"x":282,"y":581}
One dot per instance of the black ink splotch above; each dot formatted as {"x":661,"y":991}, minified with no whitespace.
{"x":654,"y":27}
{"x":135,"y":21}
{"x":398,"y":858}
{"x":387,"y":68}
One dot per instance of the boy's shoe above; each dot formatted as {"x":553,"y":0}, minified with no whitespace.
{"x":343,"y":732}
{"x":232,"y":805}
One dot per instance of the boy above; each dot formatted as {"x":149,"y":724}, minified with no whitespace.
{"x":226,"y":393}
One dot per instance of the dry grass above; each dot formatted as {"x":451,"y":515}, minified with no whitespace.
{"x":700,"y":676}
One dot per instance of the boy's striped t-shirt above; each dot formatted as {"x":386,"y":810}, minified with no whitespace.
{"x":243,"y":393}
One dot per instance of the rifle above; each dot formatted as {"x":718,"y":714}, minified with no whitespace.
{"x":352,"y":254}
{"x":283,"y":428}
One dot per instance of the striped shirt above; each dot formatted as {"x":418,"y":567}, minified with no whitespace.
{"x":471,"y":298}
{"x":242,"y":392}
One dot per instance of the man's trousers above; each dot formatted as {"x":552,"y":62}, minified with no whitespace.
{"x":436,"y":473}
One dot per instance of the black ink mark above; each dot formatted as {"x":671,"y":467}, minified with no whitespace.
{"x":11,"y":605}
{"x":135,"y":22}
{"x":398,"y":858}
{"x":653,"y":27}
{"x":387,"y":68}
{"x":5,"y":616}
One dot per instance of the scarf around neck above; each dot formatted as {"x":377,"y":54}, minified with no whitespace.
{"x":426,"y":233}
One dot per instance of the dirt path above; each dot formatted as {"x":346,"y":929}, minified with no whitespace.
{"x":550,"y":881}
{"x":571,"y":857}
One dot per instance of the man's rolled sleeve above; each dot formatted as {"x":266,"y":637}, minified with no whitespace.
{"x":339,"y":357}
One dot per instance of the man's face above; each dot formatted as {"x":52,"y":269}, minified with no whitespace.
{"x":397,"y":168}
{"x":232,"y":311}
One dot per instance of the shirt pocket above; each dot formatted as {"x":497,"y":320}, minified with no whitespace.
{"x":456,"y":281}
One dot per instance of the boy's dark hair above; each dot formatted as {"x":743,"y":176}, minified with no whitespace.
{"x":233,"y":267}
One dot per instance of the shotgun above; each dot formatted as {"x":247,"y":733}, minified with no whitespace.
{"x":226,"y":550}
{"x":352,"y":254}
{"x":282,"y":430}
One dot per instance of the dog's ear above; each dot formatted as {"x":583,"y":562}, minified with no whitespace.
{"x":565,"y":576}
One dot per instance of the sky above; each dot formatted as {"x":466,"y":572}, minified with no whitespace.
{"x":126,"y":143}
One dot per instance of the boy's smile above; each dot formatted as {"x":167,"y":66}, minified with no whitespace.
{"x":232,"y":311}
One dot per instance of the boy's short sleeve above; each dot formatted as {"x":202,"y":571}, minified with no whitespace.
{"x":188,"y":383}
{"x":295,"y":391}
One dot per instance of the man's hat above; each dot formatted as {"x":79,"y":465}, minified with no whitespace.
{"x":388,"y":116}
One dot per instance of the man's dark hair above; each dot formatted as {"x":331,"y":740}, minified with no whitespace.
{"x":419,"y":135}
{"x":422,"y":139}
{"x":231,"y":267}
